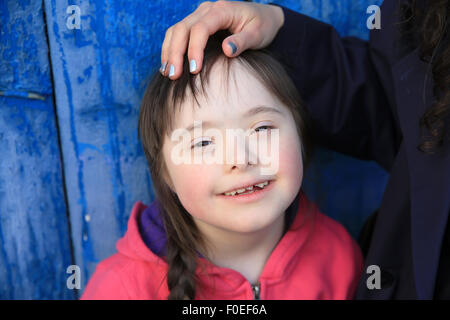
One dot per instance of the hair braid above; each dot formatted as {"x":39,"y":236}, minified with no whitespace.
{"x":181,"y":274}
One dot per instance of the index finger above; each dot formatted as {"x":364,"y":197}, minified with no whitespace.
{"x":199,"y":27}
{"x":209,"y":24}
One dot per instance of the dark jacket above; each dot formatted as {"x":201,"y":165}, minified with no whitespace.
{"x":365,"y":100}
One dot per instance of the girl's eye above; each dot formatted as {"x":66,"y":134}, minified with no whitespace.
{"x":201,"y":144}
{"x":262,"y":128}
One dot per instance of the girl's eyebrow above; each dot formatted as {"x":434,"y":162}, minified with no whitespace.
{"x":250,"y":113}
{"x":261,"y":109}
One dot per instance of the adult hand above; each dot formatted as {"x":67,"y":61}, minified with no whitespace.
{"x":253,"y":26}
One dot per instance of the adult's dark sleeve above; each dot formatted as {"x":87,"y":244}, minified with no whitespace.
{"x":350,"y":107}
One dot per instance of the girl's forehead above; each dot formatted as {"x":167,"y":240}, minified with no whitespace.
{"x":225,"y":97}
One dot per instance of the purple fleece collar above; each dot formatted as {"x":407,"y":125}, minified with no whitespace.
{"x":153,"y":233}
{"x":152,"y":229}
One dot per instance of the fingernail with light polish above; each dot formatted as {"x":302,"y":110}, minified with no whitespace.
{"x":192,"y":66}
{"x":171,"y":70}
{"x":163,"y":67}
{"x":233,"y":47}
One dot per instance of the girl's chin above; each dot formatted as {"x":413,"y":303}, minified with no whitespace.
{"x":248,"y":227}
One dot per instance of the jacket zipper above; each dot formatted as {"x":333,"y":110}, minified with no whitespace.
{"x":256,"y":291}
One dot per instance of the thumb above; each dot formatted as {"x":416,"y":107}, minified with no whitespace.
{"x":235,"y":44}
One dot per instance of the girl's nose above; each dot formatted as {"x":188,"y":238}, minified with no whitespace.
{"x":237,"y":155}
{"x":239,"y":167}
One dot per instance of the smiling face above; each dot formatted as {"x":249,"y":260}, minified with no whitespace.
{"x":201,"y":187}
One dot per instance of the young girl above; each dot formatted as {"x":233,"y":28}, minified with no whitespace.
{"x":223,"y":228}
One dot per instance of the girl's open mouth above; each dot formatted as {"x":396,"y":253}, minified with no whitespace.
{"x":250,"y":193}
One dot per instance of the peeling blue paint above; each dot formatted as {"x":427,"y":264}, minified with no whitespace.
{"x":34,"y":235}
{"x":113,"y":146}
{"x":22,"y":40}
{"x":86,"y":245}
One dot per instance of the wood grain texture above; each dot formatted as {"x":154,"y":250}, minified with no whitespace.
{"x":34,"y":233}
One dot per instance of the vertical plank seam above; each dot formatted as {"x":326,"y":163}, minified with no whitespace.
{"x":61,"y":156}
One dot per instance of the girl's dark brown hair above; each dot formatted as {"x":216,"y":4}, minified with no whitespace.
{"x":161,"y":101}
{"x":427,"y":27}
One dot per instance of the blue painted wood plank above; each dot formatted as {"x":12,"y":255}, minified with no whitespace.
{"x":34,"y":232}
{"x":101,"y":71}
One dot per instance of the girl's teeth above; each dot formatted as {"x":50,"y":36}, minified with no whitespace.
{"x":250,"y":188}
{"x":262,"y":185}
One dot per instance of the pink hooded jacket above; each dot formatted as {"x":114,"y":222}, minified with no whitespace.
{"x":315,"y":259}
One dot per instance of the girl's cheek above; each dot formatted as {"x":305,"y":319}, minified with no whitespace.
{"x":191,"y":184}
{"x":183,"y":175}
{"x":290,"y":159}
